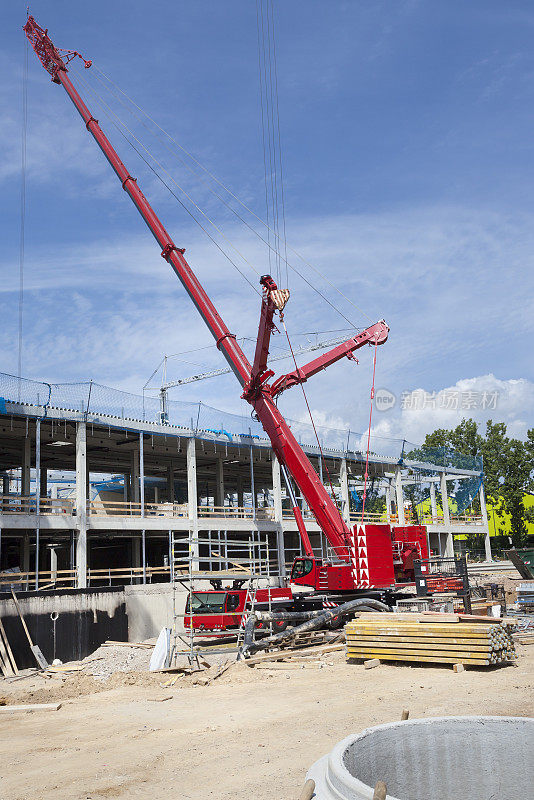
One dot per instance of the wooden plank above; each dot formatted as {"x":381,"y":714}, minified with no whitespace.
{"x":41,"y":660}
{"x":5,"y":663}
{"x":458,"y":654}
{"x":415,"y":647}
{"x":415,"y":632}
{"x":417,"y":626}
{"x":419,"y":640}
{"x":431,"y":659}
{"x":8,"y":648}
{"x":30,"y":707}
{"x":281,"y":655}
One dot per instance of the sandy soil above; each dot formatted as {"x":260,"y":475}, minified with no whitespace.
{"x":251,"y":733}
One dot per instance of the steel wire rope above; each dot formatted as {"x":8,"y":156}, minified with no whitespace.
{"x":260,"y":73}
{"x":243,"y":205}
{"x":268,"y":87}
{"x":282,"y":195}
{"x":109,"y":113}
{"x":22,"y":208}
{"x":303,"y":277}
{"x":369,"y":432}
{"x":310,"y":414}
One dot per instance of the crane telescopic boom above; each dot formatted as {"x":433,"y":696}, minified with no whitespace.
{"x":253,"y":378}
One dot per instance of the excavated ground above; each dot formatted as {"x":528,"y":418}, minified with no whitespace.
{"x":251,"y":733}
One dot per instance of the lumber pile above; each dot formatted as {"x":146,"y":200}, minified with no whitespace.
{"x":456,"y":638}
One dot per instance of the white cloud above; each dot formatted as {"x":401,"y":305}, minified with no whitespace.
{"x":481,"y":398}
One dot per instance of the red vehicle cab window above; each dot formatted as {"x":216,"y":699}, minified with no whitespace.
{"x":207,"y":603}
{"x":301,"y":567}
{"x":232,"y":602}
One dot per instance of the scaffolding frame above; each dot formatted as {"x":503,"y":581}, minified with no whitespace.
{"x":234,"y":559}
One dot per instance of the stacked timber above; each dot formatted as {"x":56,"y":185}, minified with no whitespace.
{"x":415,"y":637}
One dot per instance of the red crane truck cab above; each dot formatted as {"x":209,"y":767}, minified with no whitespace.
{"x":386,"y":560}
{"x":222,"y":609}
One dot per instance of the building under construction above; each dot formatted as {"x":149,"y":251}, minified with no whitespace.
{"x":132,"y":481}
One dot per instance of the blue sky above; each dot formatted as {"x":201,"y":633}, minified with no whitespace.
{"x":408,"y":158}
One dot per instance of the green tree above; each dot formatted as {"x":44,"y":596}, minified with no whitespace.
{"x":508,"y":465}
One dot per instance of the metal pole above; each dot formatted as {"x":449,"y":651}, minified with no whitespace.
{"x":252,"y":487}
{"x":142,"y":498}
{"x":37,"y":495}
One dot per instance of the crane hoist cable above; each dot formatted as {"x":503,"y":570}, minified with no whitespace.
{"x":243,"y":205}
{"x":119,"y":124}
{"x":253,"y":230}
{"x":369,"y":432}
{"x":310,"y":413}
{"x":22,"y":205}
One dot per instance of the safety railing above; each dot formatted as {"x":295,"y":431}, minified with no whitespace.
{"x":66,"y":578}
{"x":237,"y":512}
{"x":456,"y":519}
{"x":377,"y":517}
{"x":116,"y":508}
{"x":18,"y":504}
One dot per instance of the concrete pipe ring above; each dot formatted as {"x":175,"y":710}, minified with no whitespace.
{"x":441,"y":758}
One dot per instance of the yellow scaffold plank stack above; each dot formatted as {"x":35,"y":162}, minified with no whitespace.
{"x":411,"y":637}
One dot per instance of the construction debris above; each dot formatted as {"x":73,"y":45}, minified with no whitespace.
{"x":30,"y":707}
{"x":481,"y":641}
{"x":371,"y":663}
{"x":525,"y":596}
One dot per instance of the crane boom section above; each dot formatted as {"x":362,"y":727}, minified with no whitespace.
{"x":284,"y":443}
{"x":376,"y":334}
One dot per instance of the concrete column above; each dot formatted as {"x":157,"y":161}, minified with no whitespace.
{"x":37,"y":496}
{"x":81,"y":505}
{"x":277,"y":490}
{"x":5,"y":485}
{"x":399,"y":496}
{"x":240,"y":499}
{"x":136,"y":554}
{"x":388,"y":501}
{"x":135,"y":476}
{"x":344,"y":486}
{"x":25,"y":554}
{"x":170,"y":482}
{"x":26,"y":465}
{"x":141,"y":475}
{"x":484,"y":512}
{"x":219,"y":482}
{"x":252,"y":487}
{"x":43,"y":491}
{"x":278,"y":512}
{"x":449,"y":546}
{"x":192,"y":498}
{"x":53,"y":565}
{"x":433,"y":506}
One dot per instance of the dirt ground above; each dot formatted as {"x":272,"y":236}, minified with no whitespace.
{"x":251,"y":733}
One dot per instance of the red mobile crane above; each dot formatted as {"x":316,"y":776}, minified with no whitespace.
{"x":370,"y":560}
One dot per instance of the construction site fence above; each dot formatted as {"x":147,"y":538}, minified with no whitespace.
{"x":93,"y":399}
